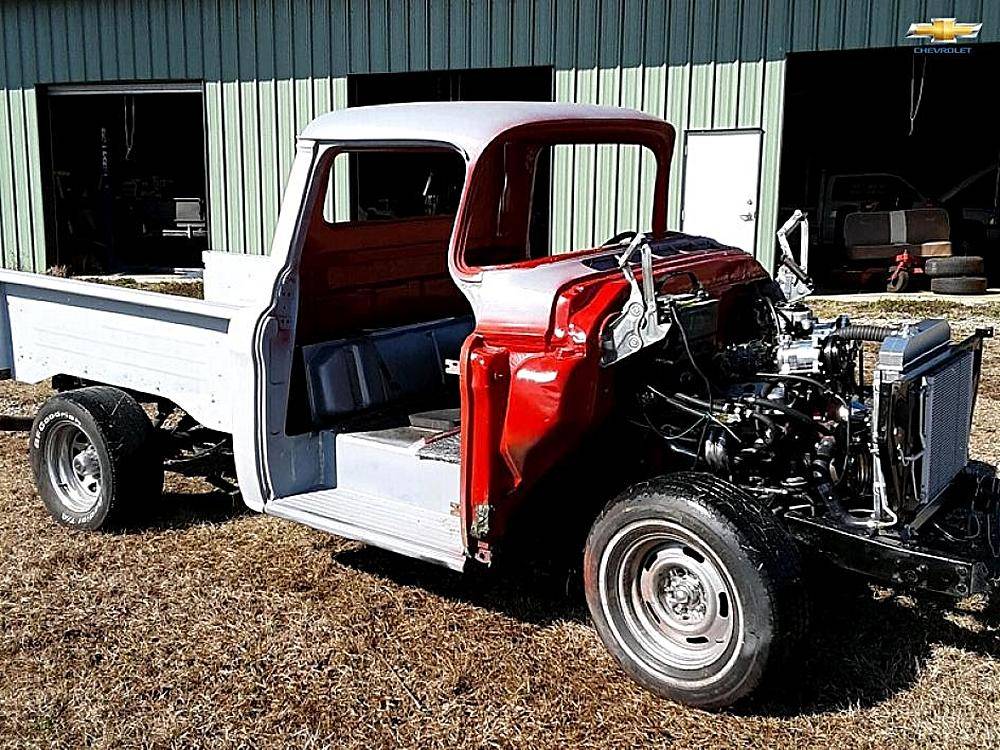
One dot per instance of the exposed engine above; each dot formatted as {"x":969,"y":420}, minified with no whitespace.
{"x":778,"y":402}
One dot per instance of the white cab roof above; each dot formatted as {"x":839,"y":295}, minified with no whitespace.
{"x":470,"y":126}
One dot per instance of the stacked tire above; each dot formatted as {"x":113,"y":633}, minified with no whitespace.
{"x":958,"y":274}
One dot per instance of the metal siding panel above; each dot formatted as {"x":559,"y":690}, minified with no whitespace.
{"x":320,"y":51}
{"x":36,"y":212}
{"x":702,"y":70}
{"x":438,"y":34}
{"x":882,"y":30}
{"x":521,"y":32}
{"x":458,"y":24}
{"x":283,"y":62}
{"x":804,"y":21}
{"x":654,"y":83}
{"x":990,"y":17}
{"x":235,"y":230}
{"x":500,"y":34}
{"x":216,"y":166}
{"x":479,"y":33}
{"x":159,"y":42}
{"x":124,"y":41}
{"x":75,"y":41}
{"x":342,"y":176}
{"x":231,"y":125}
{"x":218,"y":213}
{"x":42,"y":42}
{"x":22,"y":178}
{"x":971,"y":10}
{"x":267,"y":101}
{"x":302,"y":69}
{"x":751,"y":64}
{"x":587,"y":91}
{"x":631,"y":94}
{"x":830,"y":27}
{"x":91,"y":33}
{"x":249,"y":114}
{"x":142,"y":42}
{"x":340,"y":40}
{"x":540,"y":32}
{"x":358,"y":36}
{"x":419,"y":45}
{"x":19,"y":65}
{"x":725,"y":97}
{"x":397,"y":38}
{"x":939,"y":9}
{"x":108,"y":43}
{"x":609,"y":85}
{"x":678,"y":88}
{"x":8,"y":199}
{"x":194,"y":63}
{"x":60,"y":47}
{"x":561,"y":194}
{"x":174,"y":32}
{"x":776,"y":40}
{"x":856,"y":24}
{"x":378,"y":35}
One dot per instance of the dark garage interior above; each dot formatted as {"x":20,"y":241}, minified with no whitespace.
{"x":126,"y":180}
{"x":875,"y":131}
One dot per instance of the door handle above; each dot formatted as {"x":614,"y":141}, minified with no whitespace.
{"x":748,"y":216}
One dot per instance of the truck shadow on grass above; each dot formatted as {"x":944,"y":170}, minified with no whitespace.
{"x":864,"y":646}
{"x":181,"y":510}
{"x":202,"y":493}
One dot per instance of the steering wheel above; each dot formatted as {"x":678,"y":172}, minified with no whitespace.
{"x":620,"y":239}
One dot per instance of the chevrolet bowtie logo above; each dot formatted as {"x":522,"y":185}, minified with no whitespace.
{"x":944,"y":30}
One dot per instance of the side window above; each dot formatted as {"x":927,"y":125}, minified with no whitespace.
{"x":542,"y":199}
{"x":370,"y":186}
{"x":598,"y":191}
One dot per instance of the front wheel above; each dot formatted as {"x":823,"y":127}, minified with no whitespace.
{"x":94,"y":457}
{"x":694,"y":588}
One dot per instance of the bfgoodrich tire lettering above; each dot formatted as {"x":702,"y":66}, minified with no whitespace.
{"x":93,"y":456}
{"x":694,"y":588}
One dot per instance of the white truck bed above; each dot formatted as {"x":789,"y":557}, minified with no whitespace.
{"x":169,"y":346}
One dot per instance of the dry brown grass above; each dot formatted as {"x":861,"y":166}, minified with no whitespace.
{"x":212,"y":627}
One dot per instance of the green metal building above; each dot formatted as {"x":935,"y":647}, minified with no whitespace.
{"x":264,"y":68}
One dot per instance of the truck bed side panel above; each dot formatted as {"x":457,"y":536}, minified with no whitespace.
{"x":172,"y":347}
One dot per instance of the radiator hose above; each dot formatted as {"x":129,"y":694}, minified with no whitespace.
{"x":866,"y":332}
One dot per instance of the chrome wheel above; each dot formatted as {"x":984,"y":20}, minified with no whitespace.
{"x":670,"y":601}
{"x":74,"y":467}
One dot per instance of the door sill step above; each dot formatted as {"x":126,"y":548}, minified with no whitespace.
{"x":399,"y":527}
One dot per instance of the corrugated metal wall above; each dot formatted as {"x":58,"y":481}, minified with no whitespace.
{"x":269,"y":66}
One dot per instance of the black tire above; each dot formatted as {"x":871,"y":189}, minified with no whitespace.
{"x":898,"y":283}
{"x":958,"y":265}
{"x":959,"y":285}
{"x":94,"y":456}
{"x":695,"y":523}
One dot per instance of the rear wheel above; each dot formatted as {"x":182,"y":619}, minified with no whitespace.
{"x":94,"y":457}
{"x":694,"y":589}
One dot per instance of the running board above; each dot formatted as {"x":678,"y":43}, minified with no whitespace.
{"x":404,"y":528}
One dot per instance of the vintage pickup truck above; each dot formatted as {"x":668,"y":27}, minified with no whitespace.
{"x":419,"y":371}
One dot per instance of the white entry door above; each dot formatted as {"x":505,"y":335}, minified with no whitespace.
{"x":721,"y":175}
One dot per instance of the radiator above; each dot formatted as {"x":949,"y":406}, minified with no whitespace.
{"x":946,"y":420}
